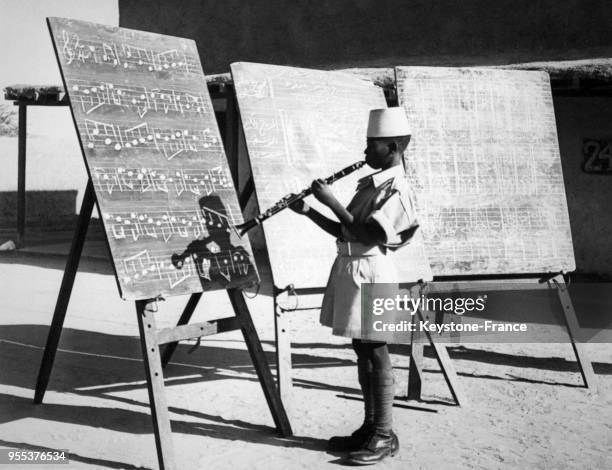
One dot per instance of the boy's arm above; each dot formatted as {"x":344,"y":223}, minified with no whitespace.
{"x":367,"y":233}
{"x":328,"y":225}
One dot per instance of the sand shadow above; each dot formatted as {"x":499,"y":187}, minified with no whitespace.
{"x":14,"y":408}
{"x":101,"y":366}
{"x":71,"y":456}
{"x":528,"y":362}
{"x":99,"y":363}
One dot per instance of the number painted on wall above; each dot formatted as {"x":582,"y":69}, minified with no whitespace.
{"x":597,"y":156}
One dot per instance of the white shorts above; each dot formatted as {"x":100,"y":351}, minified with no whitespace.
{"x":341,"y":308}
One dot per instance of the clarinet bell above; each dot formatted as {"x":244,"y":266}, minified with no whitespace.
{"x":245,"y":227}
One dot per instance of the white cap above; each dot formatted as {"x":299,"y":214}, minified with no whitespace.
{"x":388,"y":122}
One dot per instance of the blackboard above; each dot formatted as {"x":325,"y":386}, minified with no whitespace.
{"x":301,"y":124}
{"x":153,"y":151}
{"x":486,"y":165}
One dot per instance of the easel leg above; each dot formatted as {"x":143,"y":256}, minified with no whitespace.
{"x":415,"y":371}
{"x":155,"y":383}
{"x":259,"y":361}
{"x":283,"y":358}
{"x":169,"y":349}
{"x":64,"y":294}
{"x":230,"y":138}
{"x":586,"y":368}
{"x":448,"y":370}
{"x":415,"y":378}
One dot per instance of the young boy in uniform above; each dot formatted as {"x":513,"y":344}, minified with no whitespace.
{"x":380,"y":217}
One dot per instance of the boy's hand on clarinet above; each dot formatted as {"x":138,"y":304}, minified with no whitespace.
{"x":299,"y":206}
{"x":322,"y":193}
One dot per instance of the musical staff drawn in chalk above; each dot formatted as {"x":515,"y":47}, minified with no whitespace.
{"x":460,"y":223}
{"x":154,"y":154}
{"x":142,"y":180}
{"x":170,"y":142}
{"x":164,"y":225}
{"x":93,"y":95}
{"x":149,"y":266}
{"x":78,"y":51}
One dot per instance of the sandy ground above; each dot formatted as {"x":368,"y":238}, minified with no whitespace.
{"x":527,"y":408}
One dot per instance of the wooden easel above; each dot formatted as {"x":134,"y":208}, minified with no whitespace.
{"x":571,"y":322}
{"x":283,"y":343}
{"x":151,"y":339}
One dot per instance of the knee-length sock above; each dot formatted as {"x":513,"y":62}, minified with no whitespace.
{"x":383,"y":386}
{"x":364,"y":373}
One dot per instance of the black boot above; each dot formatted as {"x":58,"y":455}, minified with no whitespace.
{"x":353,"y":442}
{"x":383,"y":442}
{"x":378,"y":447}
{"x":361,"y":435}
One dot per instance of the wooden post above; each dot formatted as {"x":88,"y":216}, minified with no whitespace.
{"x":63,"y":297}
{"x":169,"y":349}
{"x":573,"y":328}
{"x":448,"y":370}
{"x":415,"y":378}
{"x":21,"y":174}
{"x":273,"y":397}
{"x":231,"y":135}
{"x":155,"y":383}
{"x":283,"y":357}
{"x":415,"y":371}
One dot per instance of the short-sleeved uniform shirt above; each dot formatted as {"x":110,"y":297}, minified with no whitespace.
{"x":386,"y":199}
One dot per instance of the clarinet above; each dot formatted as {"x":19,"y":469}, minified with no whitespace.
{"x":291,"y":198}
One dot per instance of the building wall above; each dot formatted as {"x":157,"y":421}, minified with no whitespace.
{"x":589,"y":196}
{"x":378,"y":32}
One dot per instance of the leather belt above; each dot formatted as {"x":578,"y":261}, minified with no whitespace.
{"x":358,"y":249}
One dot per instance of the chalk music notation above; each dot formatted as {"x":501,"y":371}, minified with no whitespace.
{"x":163,"y":225}
{"x":170,"y":142}
{"x":487,"y":251}
{"x":486,"y":163}
{"x":149,"y":266}
{"x":92,"y":96}
{"x":142,"y":180}
{"x":312,"y":94}
{"x":459,"y":222}
{"x":85,"y":51}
